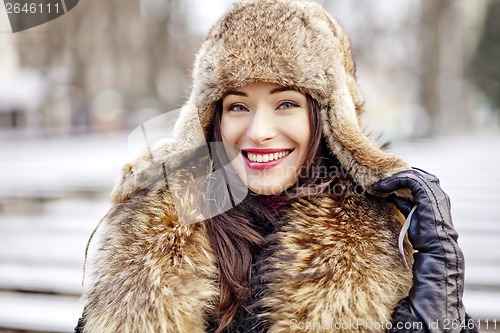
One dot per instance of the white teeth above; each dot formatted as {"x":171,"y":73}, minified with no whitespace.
{"x":262,"y":158}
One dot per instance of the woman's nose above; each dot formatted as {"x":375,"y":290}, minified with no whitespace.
{"x":262,"y":127}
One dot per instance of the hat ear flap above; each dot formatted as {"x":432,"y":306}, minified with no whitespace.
{"x":366,"y":163}
{"x":188,"y":128}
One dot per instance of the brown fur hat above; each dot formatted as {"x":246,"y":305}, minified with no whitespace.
{"x":290,"y":43}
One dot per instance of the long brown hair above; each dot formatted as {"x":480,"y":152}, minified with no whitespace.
{"x":231,"y":232}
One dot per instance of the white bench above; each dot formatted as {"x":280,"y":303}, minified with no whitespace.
{"x":41,"y":266}
{"x":52,"y":194}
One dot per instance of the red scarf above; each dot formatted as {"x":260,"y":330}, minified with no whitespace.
{"x":273,"y":201}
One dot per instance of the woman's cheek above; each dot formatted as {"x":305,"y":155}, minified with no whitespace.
{"x":230,"y":130}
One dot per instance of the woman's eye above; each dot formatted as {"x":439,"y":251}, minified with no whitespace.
{"x":288,"y":105}
{"x":237,"y":108}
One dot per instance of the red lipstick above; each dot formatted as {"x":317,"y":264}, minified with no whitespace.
{"x":274,"y":155}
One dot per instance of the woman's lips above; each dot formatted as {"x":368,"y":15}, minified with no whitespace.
{"x":264,"y":158}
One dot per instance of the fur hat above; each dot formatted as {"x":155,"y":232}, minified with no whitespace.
{"x":290,"y":43}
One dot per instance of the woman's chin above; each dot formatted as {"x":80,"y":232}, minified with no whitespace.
{"x":268,"y":188}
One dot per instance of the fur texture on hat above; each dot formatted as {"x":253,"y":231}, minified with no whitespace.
{"x":290,"y":43}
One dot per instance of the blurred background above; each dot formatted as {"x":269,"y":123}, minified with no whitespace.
{"x":73,"y":89}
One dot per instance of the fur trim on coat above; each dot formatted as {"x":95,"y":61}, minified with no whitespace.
{"x":331,"y":263}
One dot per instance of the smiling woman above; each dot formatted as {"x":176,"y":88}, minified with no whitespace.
{"x":270,"y":127}
{"x":314,"y":240}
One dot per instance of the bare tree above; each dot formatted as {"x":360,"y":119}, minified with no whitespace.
{"x":128,"y":47}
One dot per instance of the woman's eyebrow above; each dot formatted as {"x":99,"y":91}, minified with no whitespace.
{"x":281,"y":89}
{"x":235,"y":92}
{"x":241,"y":93}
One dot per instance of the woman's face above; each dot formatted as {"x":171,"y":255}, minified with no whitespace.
{"x":269,"y":125}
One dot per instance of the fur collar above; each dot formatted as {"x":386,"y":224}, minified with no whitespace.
{"x":330,"y":263}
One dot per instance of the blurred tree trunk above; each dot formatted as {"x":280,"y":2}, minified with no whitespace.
{"x":430,"y":36}
{"x":124,"y":47}
{"x":450,"y":34}
{"x":485,"y":59}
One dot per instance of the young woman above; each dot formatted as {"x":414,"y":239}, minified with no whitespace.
{"x":269,"y":210}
